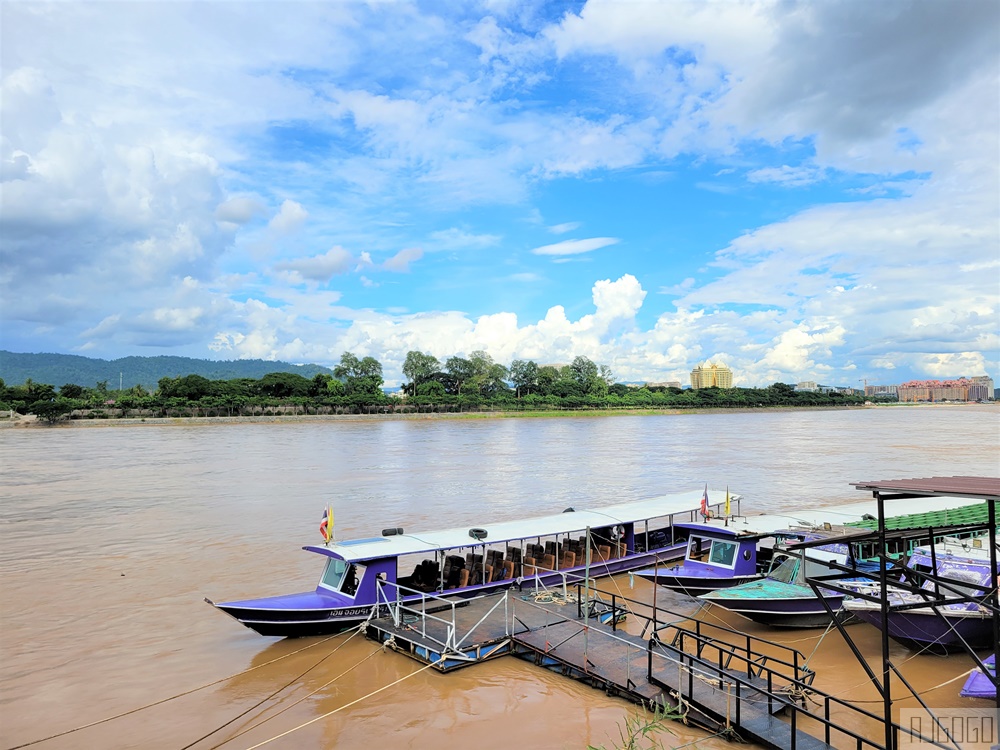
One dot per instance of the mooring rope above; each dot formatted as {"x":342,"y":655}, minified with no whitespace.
{"x":259,"y":703}
{"x":346,"y":705}
{"x":295,"y":703}
{"x":172,"y":697}
{"x":922,"y":692}
{"x":826,"y":632}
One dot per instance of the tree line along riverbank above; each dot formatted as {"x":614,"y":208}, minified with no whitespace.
{"x":477,"y":385}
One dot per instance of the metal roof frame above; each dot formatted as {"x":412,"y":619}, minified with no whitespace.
{"x":979,"y":488}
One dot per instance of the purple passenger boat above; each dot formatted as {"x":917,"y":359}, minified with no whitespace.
{"x":963,"y":569}
{"x":715,"y":558}
{"x":361,"y":577}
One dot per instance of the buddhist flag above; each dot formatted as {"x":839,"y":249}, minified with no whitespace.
{"x":704,"y":502}
{"x":727,"y":501}
{"x":326,"y":525}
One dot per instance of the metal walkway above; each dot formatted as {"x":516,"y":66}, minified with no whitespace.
{"x":737,"y":689}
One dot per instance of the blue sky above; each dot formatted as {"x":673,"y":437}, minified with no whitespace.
{"x":803,"y":191}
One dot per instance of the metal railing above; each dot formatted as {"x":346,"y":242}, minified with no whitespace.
{"x":421,"y":607}
{"x":738,"y":662}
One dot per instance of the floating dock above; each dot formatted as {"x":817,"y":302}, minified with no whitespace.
{"x":740,"y":689}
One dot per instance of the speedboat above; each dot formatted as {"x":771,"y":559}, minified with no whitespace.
{"x":938,"y":602}
{"x":783,"y":598}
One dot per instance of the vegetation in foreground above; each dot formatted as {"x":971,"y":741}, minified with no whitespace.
{"x":356,"y":387}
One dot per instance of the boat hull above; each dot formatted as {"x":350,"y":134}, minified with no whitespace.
{"x":778,"y":604}
{"x":318,"y":613}
{"x":694,"y":585}
{"x":925,"y":631}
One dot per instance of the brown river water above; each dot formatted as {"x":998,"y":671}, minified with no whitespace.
{"x":110,"y":538}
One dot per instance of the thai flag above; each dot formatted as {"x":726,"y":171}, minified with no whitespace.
{"x":704,"y":502}
{"x":326,"y":525}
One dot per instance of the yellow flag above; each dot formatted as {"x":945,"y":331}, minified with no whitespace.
{"x":326,"y":525}
{"x":726,"y":513}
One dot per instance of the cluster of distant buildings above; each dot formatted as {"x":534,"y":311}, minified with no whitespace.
{"x":718,"y":375}
{"x":963,"y":389}
{"x":919,"y":391}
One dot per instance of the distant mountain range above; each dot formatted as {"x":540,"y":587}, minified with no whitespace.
{"x":59,"y":369}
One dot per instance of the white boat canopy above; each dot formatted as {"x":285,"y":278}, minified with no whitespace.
{"x":359,"y":550}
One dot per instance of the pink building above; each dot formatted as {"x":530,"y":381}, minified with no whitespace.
{"x":962,"y":389}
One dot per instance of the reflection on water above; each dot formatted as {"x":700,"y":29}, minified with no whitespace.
{"x":111,"y":536}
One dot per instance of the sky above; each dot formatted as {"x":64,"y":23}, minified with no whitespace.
{"x":798,"y":190}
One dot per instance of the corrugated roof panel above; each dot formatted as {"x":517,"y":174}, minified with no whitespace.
{"x":984,"y":488}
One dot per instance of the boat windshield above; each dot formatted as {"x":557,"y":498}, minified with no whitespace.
{"x":334,"y":574}
{"x":783,"y":568}
{"x":722,"y":553}
{"x":957,"y":578}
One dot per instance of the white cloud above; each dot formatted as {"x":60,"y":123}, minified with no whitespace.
{"x":569,"y":226}
{"x":459,"y":239}
{"x":401,"y":261}
{"x":290,"y":217}
{"x":786,"y":175}
{"x":239,"y":210}
{"x":576,"y":247}
{"x":320,"y":268}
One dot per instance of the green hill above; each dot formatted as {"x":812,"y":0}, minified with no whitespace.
{"x":59,"y":369}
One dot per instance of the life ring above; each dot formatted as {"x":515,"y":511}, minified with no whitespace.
{"x":477,"y":533}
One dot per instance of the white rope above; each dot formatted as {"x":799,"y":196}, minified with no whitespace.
{"x":346,"y":705}
{"x":295,"y":703}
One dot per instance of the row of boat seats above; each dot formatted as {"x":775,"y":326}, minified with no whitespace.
{"x":426,"y":575}
{"x":500,"y":565}
{"x":454,"y":568}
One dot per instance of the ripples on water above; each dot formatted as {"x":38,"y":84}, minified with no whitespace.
{"x":111,"y":536}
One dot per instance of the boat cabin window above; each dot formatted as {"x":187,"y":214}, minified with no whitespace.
{"x":341,"y":576}
{"x":783,"y":568}
{"x":696,"y":547}
{"x":722,"y":553}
